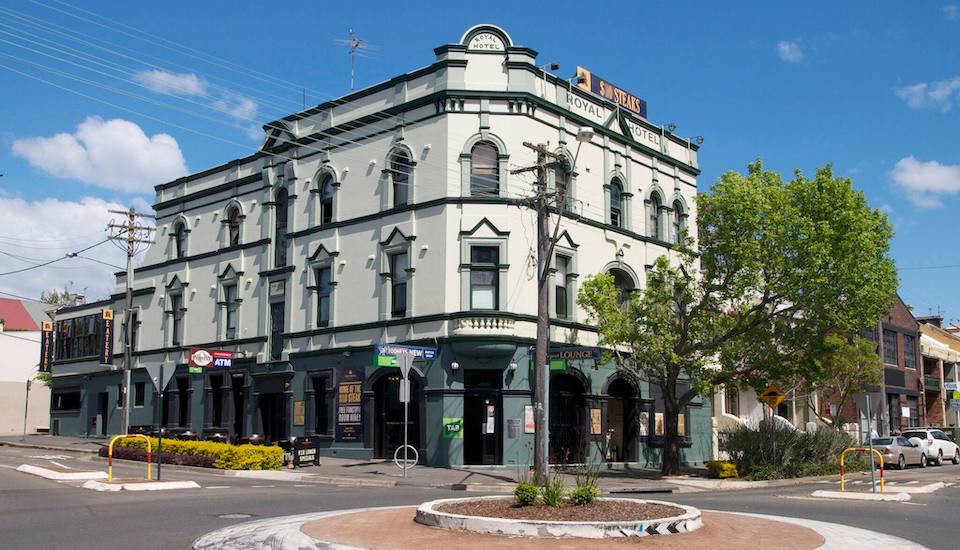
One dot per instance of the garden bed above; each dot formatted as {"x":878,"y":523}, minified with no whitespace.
{"x":599,"y":510}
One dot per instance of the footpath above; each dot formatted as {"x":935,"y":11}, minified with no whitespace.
{"x":614,"y":480}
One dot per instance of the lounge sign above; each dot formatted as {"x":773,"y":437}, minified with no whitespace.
{"x":592,"y":83}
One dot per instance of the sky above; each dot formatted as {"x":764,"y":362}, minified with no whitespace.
{"x":100,"y":101}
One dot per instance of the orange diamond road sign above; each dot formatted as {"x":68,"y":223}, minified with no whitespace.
{"x":772,"y":396}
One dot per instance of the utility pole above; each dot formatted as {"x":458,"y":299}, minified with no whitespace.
{"x":132,"y":233}
{"x":540,"y":202}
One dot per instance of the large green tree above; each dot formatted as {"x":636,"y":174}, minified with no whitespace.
{"x":779,"y":266}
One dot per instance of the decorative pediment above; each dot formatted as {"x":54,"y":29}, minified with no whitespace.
{"x":229,"y":273}
{"x":321,"y":253}
{"x":485,"y":228}
{"x":396,"y":237}
{"x":175,"y":282}
{"x":278,"y":135}
{"x":564,"y":240}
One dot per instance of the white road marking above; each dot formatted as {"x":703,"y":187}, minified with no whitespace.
{"x":262,"y":486}
{"x":217,"y":487}
{"x":303,"y":485}
{"x":57,"y":463}
{"x":50,"y":457}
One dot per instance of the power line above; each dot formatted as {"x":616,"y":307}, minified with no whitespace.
{"x":19,"y":337}
{"x":916,"y":268}
{"x":53,"y":260}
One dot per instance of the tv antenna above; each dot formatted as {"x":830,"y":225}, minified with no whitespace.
{"x":357,"y":47}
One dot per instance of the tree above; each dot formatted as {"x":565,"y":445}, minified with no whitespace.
{"x":780,"y":266}
{"x":846,"y":364}
{"x":56,"y":297}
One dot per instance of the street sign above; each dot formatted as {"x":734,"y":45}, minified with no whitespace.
{"x":951,"y":386}
{"x":405,"y":390}
{"x":405,"y":362}
{"x":398,"y":349}
{"x":772,"y":396}
{"x":155,"y":371}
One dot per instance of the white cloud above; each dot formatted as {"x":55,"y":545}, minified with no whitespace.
{"x":236,"y":105}
{"x":951,"y":12}
{"x":790,"y":51}
{"x":114,"y":154}
{"x":941,"y":94}
{"x":164,"y":82}
{"x":926,"y":182}
{"x":50,"y":228}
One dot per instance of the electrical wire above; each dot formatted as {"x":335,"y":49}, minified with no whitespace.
{"x":53,"y":260}
{"x":7,"y":334}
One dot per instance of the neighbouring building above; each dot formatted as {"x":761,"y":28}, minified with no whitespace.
{"x":940,"y":350}
{"x":392,"y":215}
{"x":20,"y":324}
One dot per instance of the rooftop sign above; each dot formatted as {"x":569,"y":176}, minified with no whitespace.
{"x":592,"y":83}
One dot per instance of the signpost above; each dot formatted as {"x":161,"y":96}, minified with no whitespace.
{"x":161,"y":377}
{"x":772,"y":396}
{"x":396,"y":355}
{"x":867,"y":402}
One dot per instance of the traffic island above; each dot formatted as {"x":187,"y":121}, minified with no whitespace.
{"x":393,"y":528}
{"x":138,"y":485}
{"x":604,"y":518}
{"x":60,"y":473}
{"x":850,"y":495}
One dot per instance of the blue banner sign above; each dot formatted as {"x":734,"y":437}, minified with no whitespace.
{"x":593,"y":83}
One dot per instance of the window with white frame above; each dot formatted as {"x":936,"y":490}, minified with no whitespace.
{"x":484,"y":277}
{"x":326,"y":199}
{"x":616,"y":203}
{"x":653,"y":226}
{"x":400,"y":169}
{"x":399,"y":265}
{"x":176,"y":313}
{"x":624,"y":284}
{"x":231,"y":310}
{"x":281,"y":206}
{"x":276,"y":330}
{"x":484,"y":170}
{"x":561,"y":287}
{"x":179,"y":236}
{"x":561,"y":185}
{"x":324,"y":281}
{"x":677,"y":221}
{"x":234,"y":219}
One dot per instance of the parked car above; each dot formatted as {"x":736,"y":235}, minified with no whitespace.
{"x":899,"y":451}
{"x":936,"y":444}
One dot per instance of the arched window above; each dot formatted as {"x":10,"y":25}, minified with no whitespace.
{"x":484,"y":170}
{"x":233,"y":226}
{"x":677,"y":221}
{"x":281,"y":205}
{"x":616,"y":203}
{"x":326,"y":199}
{"x":180,"y":239}
{"x":624,"y":283}
{"x":654,"y":216}
{"x":400,"y":168}
{"x":561,"y":182}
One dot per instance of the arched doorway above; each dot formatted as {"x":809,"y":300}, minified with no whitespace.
{"x":621,"y":421}
{"x":568,"y":439}
{"x":388,"y":415}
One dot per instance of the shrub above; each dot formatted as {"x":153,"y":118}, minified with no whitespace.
{"x":721,"y":469}
{"x":775,"y":451}
{"x":224,"y":455}
{"x":133,"y":453}
{"x":526,"y":494}
{"x":581,"y":496}
{"x":553,"y":492}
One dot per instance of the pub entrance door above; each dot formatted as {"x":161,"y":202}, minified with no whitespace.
{"x":273,"y":415}
{"x":388,"y":415}
{"x":482,"y":410}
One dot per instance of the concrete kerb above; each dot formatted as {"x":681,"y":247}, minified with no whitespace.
{"x":850,"y":495}
{"x":60,"y":475}
{"x":140,"y":486}
{"x":428,"y":514}
{"x":47,"y":447}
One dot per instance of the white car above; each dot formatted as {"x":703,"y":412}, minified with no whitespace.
{"x":936,"y":444}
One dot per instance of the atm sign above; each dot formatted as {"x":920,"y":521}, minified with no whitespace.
{"x":210,"y":358}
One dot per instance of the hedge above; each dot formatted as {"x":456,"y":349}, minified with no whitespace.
{"x":140,"y":454}
{"x":223,"y":455}
{"x":721,"y":469}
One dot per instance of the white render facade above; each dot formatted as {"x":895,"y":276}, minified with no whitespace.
{"x":404,"y":224}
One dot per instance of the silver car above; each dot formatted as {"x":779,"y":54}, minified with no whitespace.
{"x":899,"y":451}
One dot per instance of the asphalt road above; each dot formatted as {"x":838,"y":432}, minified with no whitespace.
{"x":38,"y":513}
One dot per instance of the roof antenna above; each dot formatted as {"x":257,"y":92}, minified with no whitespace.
{"x":356,"y":44}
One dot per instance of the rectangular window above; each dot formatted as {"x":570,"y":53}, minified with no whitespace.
{"x":232,"y":304}
{"x":399,"y":264}
{"x":119,"y":396}
{"x":65,"y":401}
{"x":276,"y":330}
{"x":324,"y":290}
{"x":78,"y":337}
{"x":176,"y":310}
{"x":731,"y":401}
{"x":484,"y":277}
{"x":139,"y":393}
{"x":561,"y":279}
{"x":914,"y":420}
{"x":909,"y":352}
{"x":890,"y":347}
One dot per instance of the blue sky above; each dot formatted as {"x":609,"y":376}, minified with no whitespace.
{"x":871,"y":87}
